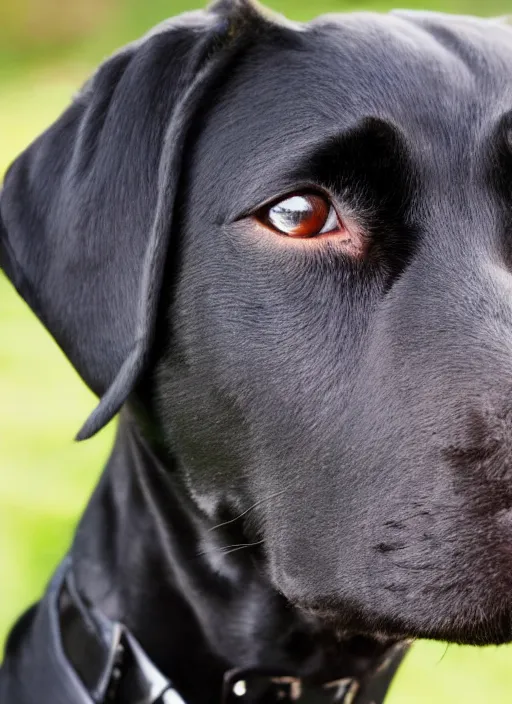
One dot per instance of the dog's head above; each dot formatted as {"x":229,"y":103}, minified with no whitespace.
{"x":300,"y":237}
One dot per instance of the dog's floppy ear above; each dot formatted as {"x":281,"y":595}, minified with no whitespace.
{"x":86,"y":211}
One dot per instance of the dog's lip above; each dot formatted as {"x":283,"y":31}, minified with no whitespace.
{"x":497,"y":631}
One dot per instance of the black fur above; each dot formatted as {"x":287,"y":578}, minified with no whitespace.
{"x":349,"y":420}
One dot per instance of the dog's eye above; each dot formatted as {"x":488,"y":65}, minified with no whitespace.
{"x":301,"y":215}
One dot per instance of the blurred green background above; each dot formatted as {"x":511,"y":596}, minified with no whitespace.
{"x":47,"y":48}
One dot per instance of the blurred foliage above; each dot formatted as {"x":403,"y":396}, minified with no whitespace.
{"x":41,"y":30}
{"x":47,"y":47}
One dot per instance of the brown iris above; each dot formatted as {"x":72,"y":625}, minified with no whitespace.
{"x":300,"y":215}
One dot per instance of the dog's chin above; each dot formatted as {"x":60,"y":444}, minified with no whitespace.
{"x":463,"y":628}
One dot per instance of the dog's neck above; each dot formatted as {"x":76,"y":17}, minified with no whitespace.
{"x":146,"y":556}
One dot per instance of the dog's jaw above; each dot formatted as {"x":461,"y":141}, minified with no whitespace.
{"x":139,"y":556}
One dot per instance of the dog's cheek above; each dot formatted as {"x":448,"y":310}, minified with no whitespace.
{"x":203,"y":432}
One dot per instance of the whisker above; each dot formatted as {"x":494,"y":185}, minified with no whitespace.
{"x":240,"y":547}
{"x":257,"y":503}
{"x":226,"y":549}
{"x":443,"y":655}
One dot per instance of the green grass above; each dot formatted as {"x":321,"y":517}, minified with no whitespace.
{"x":46,"y":478}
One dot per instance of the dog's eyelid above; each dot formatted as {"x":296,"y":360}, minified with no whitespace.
{"x":263,"y":201}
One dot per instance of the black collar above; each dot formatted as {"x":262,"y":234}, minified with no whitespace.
{"x":114,"y":668}
{"x":65,"y":652}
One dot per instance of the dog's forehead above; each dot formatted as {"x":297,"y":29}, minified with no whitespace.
{"x":435,"y":77}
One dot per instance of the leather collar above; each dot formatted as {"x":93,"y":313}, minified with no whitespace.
{"x":114,"y":668}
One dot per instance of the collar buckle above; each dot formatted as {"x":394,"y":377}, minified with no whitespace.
{"x":255,"y":686}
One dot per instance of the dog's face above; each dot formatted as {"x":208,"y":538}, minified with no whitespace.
{"x":334,"y":335}
{"x":356,"y":386}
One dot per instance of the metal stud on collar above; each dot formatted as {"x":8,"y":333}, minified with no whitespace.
{"x":287,"y":688}
{"x":239,"y":688}
{"x":116,"y":672}
{"x":346,"y":689}
{"x":295,"y":686}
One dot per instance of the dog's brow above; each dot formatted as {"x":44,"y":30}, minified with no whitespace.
{"x":341,"y":159}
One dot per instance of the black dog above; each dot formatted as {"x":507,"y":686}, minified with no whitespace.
{"x":286,"y":251}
